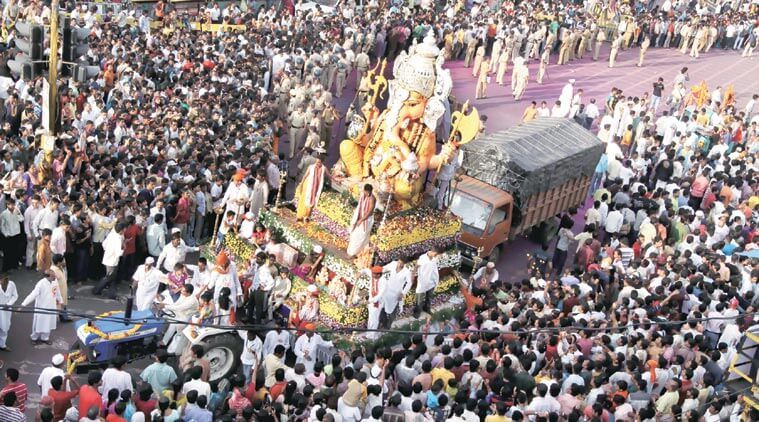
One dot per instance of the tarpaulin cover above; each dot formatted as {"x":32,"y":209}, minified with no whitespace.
{"x":534,"y":156}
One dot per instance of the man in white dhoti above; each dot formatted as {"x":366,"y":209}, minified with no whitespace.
{"x":306,"y":345}
{"x":8,"y":297}
{"x":361,"y":222}
{"x":46,"y":295}
{"x":236,"y":196}
{"x":374,"y":304}
{"x":397,"y":283}
{"x":567,"y":92}
{"x":145,"y":281}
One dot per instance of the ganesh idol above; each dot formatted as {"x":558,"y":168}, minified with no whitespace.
{"x":395,"y":148}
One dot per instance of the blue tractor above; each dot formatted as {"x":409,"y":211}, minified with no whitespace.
{"x":139,"y":335}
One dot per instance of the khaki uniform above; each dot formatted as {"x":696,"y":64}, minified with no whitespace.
{"x":686,"y":33}
{"x":543,"y":64}
{"x":471,"y":47}
{"x":481,"y":90}
{"x":643,"y":48}
{"x":297,"y":132}
{"x":600,"y":38}
{"x":503,"y":65}
{"x":497,"y":50}
{"x":329,"y":117}
{"x":564,"y":51}
{"x":478,"y":59}
{"x":614,"y":50}
{"x":340,"y":77}
{"x":362,"y":65}
{"x":584,"y":41}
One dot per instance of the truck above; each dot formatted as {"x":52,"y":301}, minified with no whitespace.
{"x":518,"y":181}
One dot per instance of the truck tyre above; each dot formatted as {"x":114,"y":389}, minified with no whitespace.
{"x":222,"y":352}
{"x":495,"y":254}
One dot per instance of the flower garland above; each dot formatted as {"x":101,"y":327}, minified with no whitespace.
{"x":92,"y":329}
{"x":414,"y":228}
{"x":336,"y":208}
{"x":73,"y":359}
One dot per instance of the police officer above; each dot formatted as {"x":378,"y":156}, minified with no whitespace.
{"x":362,"y":64}
{"x":340,"y":76}
{"x":329,"y":117}
{"x":297,"y":129}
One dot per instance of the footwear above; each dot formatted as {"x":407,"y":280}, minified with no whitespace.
{"x":35,"y":342}
{"x":48,"y":342}
{"x":5,"y":349}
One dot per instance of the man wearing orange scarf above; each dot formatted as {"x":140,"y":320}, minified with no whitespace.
{"x":361,"y":222}
{"x":309,"y":189}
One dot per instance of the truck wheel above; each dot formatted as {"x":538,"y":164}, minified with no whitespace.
{"x":495,"y":254}
{"x":222,"y":352}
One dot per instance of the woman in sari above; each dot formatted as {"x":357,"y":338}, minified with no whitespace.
{"x":31,"y":179}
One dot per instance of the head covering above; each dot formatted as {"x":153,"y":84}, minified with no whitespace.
{"x":239,"y":175}
{"x":310,"y":326}
{"x":222,"y":259}
{"x":490,"y":265}
{"x":571,"y":81}
{"x":57,"y":359}
{"x":317,"y":249}
{"x":313,"y":290}
{"x":149,"y":260}
{"x":249,"y":215}
{"x":353,"y":393}
{"x":72,"y":415}
{"x":376,"y":269}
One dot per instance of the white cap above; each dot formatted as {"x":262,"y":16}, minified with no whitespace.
{"x":149,"y":260}
{"x":175,"y":230}
{"x":317,"y":249}
{"x":490,"y":265}
{"x":571,"y":81}
{"x":57,"y":359}
{"x":249,"y":215}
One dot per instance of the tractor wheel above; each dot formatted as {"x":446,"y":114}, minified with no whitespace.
{"x":222,"y":353}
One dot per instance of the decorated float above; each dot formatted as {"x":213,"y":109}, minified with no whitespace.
{"x":394,"y":151}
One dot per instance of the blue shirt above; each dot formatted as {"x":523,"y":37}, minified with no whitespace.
{"x":159,"y":376}
{"x":196,"y":414}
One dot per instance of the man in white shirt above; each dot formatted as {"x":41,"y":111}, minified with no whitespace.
{"x":250,"y":358}
{"x":49,"y":373}
{"x":113,"y":249}
{"x":174,"y":253}
{"x":30,"y":215}
{"x":10,"y":226}
{"x":397,"y":283}
{"x":184,"y":307}
{"x":156,"y":236}
{"x":48,"y":217}
{"x":58,"y":238}
{"x":276,"y":337}
{"x":305,"y":347}
{"x":116,"y":377}
{"x":427,"y":279}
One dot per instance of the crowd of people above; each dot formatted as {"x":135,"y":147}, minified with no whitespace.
{"x":186,"y":135}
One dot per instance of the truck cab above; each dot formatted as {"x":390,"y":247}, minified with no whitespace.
{"x":486,"y":214}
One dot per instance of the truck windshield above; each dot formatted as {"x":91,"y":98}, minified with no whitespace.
{"x":474,"y":212}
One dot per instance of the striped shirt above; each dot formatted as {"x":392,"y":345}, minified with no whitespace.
{"x":21,"y":392}
{"x":11,"y":414}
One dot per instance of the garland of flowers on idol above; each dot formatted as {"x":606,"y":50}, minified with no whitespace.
{"x":92,"y":329}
